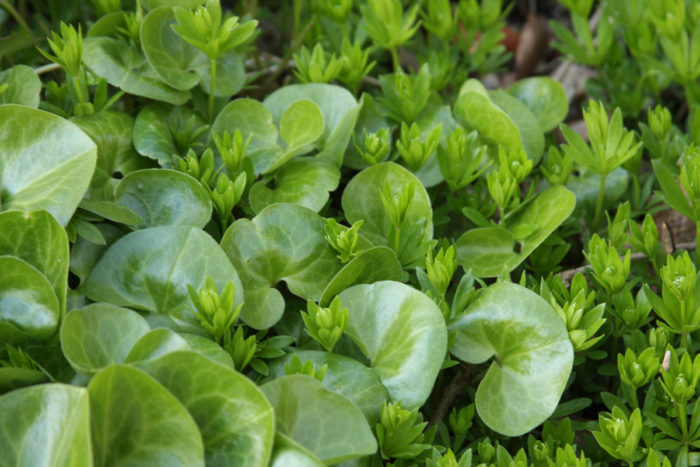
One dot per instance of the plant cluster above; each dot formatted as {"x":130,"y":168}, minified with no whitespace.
{"x":347,"y":250}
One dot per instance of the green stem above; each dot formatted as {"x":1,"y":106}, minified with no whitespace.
{"x":79,"y":89}
{"x":599,"y":202}
{"x":112,"y":100}
{"x":212,"y":64}
{"x":395,"y":60}
{"x":637,"y":191}
{"x":682,"y":418}
{"x":697,"y":246}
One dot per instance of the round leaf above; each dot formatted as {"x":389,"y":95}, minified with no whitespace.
{"x":135,"y":420}
{"x":347,"y":377}
{"x":375,"y":264}
{"x":235,"y":419}
{"x":38,"y":239}
{"x":154,"y":344}
{"x":301,"y":123}
{"x":285,"y":242}
{"x":23,"y":86}
{"x":46,"y":162}
{"x":527,"y":124}
{"x":403,"y":334}
{"x":124,"y":66}
{"x":46,"y":425}
{"x":165,"y":197}
{"x":545,"y":98}
{"x":310,"y":414}
{"x":305,"y":182}
{"x":29,"y":309}
{"x":150,"y":269}
{"x":99,"y":335}
{"x":362,"y":200}
{"x":230,"y":74}
{"x":533,"y":356}
{"x":169,"y":55}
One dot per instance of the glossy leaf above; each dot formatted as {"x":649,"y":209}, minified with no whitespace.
{"x":289,"y":453}
{"x":208,"y":348}
{"x":308,"y":413}
{"x":46,"y":162}
{"x":587,"y":184}
{"x":304,"y":181}
{"x":230,"y":74}
{"x":136,"y":420}
{"x":403,"y":334}
{"x":165,"y":197}
{"x":285,"y":242}
{"x":150,"y":269}
{"x":46,"y":425}
{"x":23,"y":86}
{"x":301,"y":123}
{"x":526,"y":122}
{"x":545,"y":98}
{"x":124,"y":66}
{"x":37,"y":238}
{"x":338,"y":107}
{"x":29,"y":309}
{"x":347,"y":377}
{"x":153,"y":137}
{"x":375,"y":264}
{"x":169,"y":55}
{"x":100,"y":334}
{"x":112,"y":132}
{"x":533,"y":356}
{"x":491,"y":251}
{"x":362,"y":200}
{"x":155,"y":344}
{"x":235,"y":419}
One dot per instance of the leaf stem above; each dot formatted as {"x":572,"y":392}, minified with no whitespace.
{"x":697,"y":245}
{"x":212,"y":65}
{"x":395,"y":60}
{"x":599,"y":202}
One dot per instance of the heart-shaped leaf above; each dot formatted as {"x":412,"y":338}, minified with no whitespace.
{"x":46,"y":425}
{"x":305,"y":181}
{"x":150,"y":269}
{"x":136,"y":420}
{"x":100,"y":334}
{"x":285,"y":242}
{"x":235,"y":419}
{"x":403,"y":334}
{"x":303,"y":410}
{"x":165,"y":197}
{"x":29,"y":309}
{"x":532,"y":350}
{"x":362,"y":200}
{"x":46,"y":162}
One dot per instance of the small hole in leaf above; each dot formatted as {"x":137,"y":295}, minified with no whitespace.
{"x":117,"y":174}
{"x":517,"y":248}
{"x":73,"y":280}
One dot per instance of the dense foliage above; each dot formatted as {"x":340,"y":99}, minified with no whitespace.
{"x":314,"y":232}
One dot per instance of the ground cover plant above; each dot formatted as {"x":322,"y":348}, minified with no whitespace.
{"x":358,"y":233}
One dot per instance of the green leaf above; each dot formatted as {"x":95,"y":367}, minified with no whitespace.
{"x":46,"y":162}
{"x":491,"y":251}
{"x":112,"y":132}
{"x":255,"y":122}
{"x":370,"y":120}
{"x":170,"y":56}
{"x":137,"y":421}
{"x":29,"y":309}
{"x":125,"y":67}
{"x":338,"y":107}
{"x":155,"y":344}
{"x":112,"y":211}
{"x":474,"y":110}
{"x":347,"y":377}
{"x":235,"y":419}
{"x":14,"y":378}
{"x":208,"y":348}
{"x":165,"y":197}
{"x":372,"y":265}
{"x":305,"y":181}
{"x":301,"y":123}
{"x":403,"y":334}
{"x":533,"y":356}
{"x":151,"y":4}
{"x":46,"y":425}
{"x":285,"y":242}
{"x":527,"y":124}
{"x":289,"y":453}
{"x":150,"y":269}
{"x":152,"y":131}
{"x":362,"y":200}
{"x":545,"y":98}
{"x":586,"y":184}
{"x":100,"y":334}
{"x":230,"y":75}
{"x":309,"y":413}
{"x":38,"y":239}
{"x":23,"y":88}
